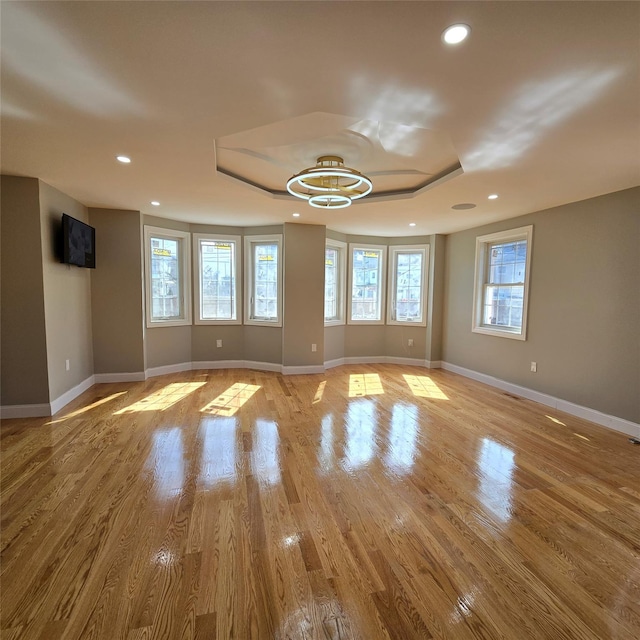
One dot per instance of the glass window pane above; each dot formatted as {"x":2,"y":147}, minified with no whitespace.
{"x":331,"y":284}
{"x":365,"y":292}
{"x":408,"y":287}
{"x":217,"y":280}
{"x":165,"y":279}
{"x":265,"y":281}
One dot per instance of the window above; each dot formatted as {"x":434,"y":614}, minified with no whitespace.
{"x":263,"y":280}
{"x":502,"y":283}
{"x":407,"y":275}
{"x":167,"y":277}
{"x":367,"y":284}
{"x":334,"y":282}
{"x":217,"y":282}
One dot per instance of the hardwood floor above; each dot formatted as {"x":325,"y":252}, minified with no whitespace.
{"x":371,"y":502}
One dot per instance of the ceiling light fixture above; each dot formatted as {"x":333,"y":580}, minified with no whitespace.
{"x":123,"y":159}
{"x":329,"y":185}
{"x":456,"y":33}
{"x":155,"y":203}
{"x":295,"y":215}
{"x":412,"y":224}
{"x":493,"y":196}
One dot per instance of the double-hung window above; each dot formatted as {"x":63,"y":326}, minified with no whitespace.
{"x":502,"y":283}
{"x":334,"y":281}
{"x":367,"y":268}
{"x":407,"y":277}
{"x":217,"y":282}
{"x":263,"y":280}
{"x":167,"y":277}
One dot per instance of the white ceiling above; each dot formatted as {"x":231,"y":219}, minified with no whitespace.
{"x":540,"y":105}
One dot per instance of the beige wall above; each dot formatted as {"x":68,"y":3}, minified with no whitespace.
{"x":376,"y":341}
{"x":117,"y":298}
{"x":168,"y":345}
{"x":24,"y":374}
{"x":67,"y":298}
{"x":304,"y":246}
{"x":203,"y":342}
{"x":435,"y":298}
{"x":584,"y":306}
{"x":584,"y":331}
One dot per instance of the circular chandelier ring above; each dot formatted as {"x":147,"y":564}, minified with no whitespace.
{"x":329,"y":201}
{"x":336,"y":185}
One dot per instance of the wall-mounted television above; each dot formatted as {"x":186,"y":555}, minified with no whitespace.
{"x":78,"y":243}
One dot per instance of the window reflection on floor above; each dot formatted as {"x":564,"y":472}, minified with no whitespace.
{"x":265,"y":462}
{"x":424,"y":387}
{"x":496,"y":465}
{"x":319,"y":392}
{"x":361,"y":425}
{"x":219,"y":452}
{"x":364,"y":384}
{"x":403,"y":434}
{"x":164,"y":398}
{"x":229,"y":401}
{"x":166,"y":462}
{"x":325,"y":455}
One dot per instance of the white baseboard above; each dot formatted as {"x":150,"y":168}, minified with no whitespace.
{"x":603,"y":419}
{"x":218,"y":364}
{"x":410,"y":362}
{"x":25,"y":411}
{"x":290,"y":370}
{"x":262,"y":366}
{"x":168,"y":368}
{"x":135,"y":376}
{"x":72,"y":394}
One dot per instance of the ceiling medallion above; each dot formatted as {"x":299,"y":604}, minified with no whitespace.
{"x":329,"y":185}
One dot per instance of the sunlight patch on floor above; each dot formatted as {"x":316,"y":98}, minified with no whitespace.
{"x":164,"y":398}
{"x":424,"y":387}
{"x":82,"y":410}
{"x":364,"y":384}
{"x":229,"y":401}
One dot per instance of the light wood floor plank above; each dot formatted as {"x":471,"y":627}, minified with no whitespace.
{"x":372,"y":502}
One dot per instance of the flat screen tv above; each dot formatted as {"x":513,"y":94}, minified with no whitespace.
{"x":78,"y":243}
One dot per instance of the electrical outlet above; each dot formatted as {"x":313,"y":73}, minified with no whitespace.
{"x":410,"y":342}
{"x":218,"y":343}
{"x":314,"y":347}
{"x":67,"y":364}
{"x":534,"y":367}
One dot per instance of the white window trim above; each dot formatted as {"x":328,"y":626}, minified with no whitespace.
{"x":197,"y":237}
{"x":382,"y":284}
{"x":342,"y":282}
{"x":482,"y":245}
{"x":249,"y":241}
{"x":184,"y":237}
{"x":410,"y":248}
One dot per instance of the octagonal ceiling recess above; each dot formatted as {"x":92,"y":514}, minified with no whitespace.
{"x":402,"y":161}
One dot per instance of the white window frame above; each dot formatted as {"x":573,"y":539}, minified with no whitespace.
{"x":394,"y":251}
{"x":249,"y":243}
{"x":184,"y":243}
{"x":198,"y":238}
{"x":381,"y":283}
{"x":483,"y":246}
{"x":341,"y":282}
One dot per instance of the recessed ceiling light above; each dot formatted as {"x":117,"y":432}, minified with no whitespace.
{"x":493,"y":196}
{"x":155,"y":203}
{"x":296,"y":215}
{"x":412,"y":224}
{"x":464,"y":205}
{"x":123,"y":159}
{"x":456,"y":33}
